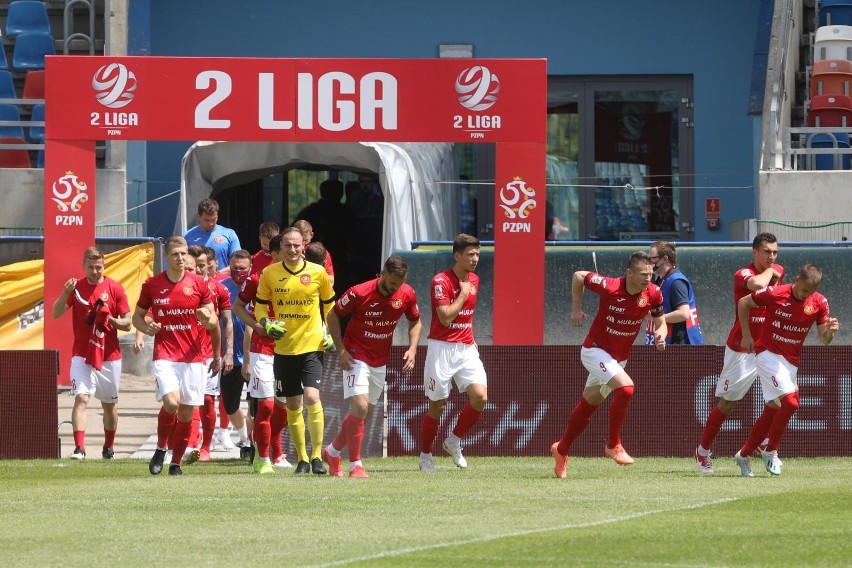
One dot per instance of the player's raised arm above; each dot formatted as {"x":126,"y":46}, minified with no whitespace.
{"x":578,"y":287}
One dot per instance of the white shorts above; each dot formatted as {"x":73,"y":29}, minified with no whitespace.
{"x":187,"y":378}
{"x":601,"y":367}
{"x":212,"y":384}
{"x":777,"y":375}
{"x":262,"y":383}
{"x":447,"y":362}
{"x":104,"y":384}
{"x":364,"y":379}
{"x":738,"y":374}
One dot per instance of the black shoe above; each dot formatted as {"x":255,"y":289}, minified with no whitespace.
{"x":78,"y":454}
{"x":175,"y":469}
{"x":247,"y":453}
{"x":317,"y":467}
{"x":302,"y":468}
{"x":108,"y":454}
{"x":155,"y":466}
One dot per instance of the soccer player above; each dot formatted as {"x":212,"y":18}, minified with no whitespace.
{"x":263,"y":258}
{"x":289,"y":298}
{"x":207,"y":233}
{"x":269,"y":413}
{"x":679,"y":307}
{"x":178,"y":300}
{"x":624,"y":303}
{"x":452,"y":354}
{"x":375,"y":307}
{"x":222,"y":305}
{"x":739,"y":369}
{"x":99,"y":308}
{"x":791,"y":311}
{"x":231,"y":383}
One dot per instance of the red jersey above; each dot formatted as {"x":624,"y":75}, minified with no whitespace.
{"x":173,"y":306}
{"x":757,"y":316}
{"x":620,"y":314}
{"x":110,"y":293}
{"x":445,"y":289}
{"x":262,"y":344}
{"x":260,"y":260}
{"x":788,"y":320}
{"x":374,"y":317}
{"x":221,"y":301}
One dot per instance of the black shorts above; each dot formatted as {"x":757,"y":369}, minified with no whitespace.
{"x":231,"y":389}
{"x":294,"y":372}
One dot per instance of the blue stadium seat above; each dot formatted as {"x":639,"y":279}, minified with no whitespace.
{"x":7,"y":85}
{"x":4,"y":63}
{"x":828,"y":161}
{"x":835,"y":13}
{"x":40,"y":159}
{"x":30,"y":49}
{"x":26,"y":16}
{"x":10,"y":112}
{"x":37,"y":132}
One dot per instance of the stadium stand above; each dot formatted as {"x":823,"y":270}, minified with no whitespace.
{"x":26,"y":16}
{"x":9,"y":113}
{"x":34,"y":85}
{"x":830,"y":111}
{"x":835,"y":13}
{"x":831,"y":77}
{"x":30,"y":49}
{"x":7,"y":85}
{"x":11,"y":158}
{"x":36,"y":130}
{"x":833,"y":161}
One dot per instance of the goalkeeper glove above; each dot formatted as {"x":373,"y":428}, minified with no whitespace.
{"x":327,"y":341}
{"x":274,"y":329}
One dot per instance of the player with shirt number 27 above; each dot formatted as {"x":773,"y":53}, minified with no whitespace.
{"x":624,"y":303}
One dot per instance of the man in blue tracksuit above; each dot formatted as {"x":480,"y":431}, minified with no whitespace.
{"x":678,"y":298}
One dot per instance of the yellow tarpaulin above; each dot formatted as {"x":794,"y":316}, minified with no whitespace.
{"x":22,"y":308}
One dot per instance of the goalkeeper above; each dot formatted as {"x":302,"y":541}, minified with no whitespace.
{"x":291,"y":294}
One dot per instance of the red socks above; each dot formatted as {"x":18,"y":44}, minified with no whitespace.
{"x":224,"y":422}
{"x":180,"y":437}
{"x":165,"y":425}
{"x":80,"y":439}
{"x":277,"y":424}
{"x":577,"y":422}
{"x":712,"y":427}
{"x":208,"y":421}
{"x":759,"y":430}
{"x":354,"y":428}
{"x":618,"y":413}
{"x":428,"y":431}
{"x":109,"y":438}
{"x":262,"y":428}
{"x":789,"y":406}
{"x":468,"y":417}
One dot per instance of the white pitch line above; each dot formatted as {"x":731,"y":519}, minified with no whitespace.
{"x":403,"y":551}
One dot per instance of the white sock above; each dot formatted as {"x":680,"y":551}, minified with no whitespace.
{"x":243,"y":432}
{"x":453,"y":440}
{"x":702,"y":451}
{"x":355,"y":463}
{"x":332,"y":451}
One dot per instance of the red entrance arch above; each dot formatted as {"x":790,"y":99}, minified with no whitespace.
{"x":303,"y":100}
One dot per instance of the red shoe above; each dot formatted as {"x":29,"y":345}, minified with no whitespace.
{"x":335,"y":469}
{"x":357,"y":471}
{"x":560,"y":469}
{"x":204,"y":455}
{"x":620,"y":456}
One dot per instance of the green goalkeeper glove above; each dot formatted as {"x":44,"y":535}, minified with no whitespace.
{"x":327,"y":341}
{"x":274,"y":329}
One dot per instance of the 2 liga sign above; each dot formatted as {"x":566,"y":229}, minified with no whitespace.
{"x":252,"y":99}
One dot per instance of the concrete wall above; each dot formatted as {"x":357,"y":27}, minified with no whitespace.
{"x":710,"y":269}
{"x":801,"y":195}
{"x":22,"y":195}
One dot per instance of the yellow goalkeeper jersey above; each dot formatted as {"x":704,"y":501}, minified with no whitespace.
{"x":296,"y":297}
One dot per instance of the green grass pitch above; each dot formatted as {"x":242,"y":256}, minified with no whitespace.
{"x":498,"y":512}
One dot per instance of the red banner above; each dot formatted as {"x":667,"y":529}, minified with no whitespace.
{"x":532,"y":390}
{"x":315,"y":100}
{"x":69,"y":228}
{"x":519,"y":235}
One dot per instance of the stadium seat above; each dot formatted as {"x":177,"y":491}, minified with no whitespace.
{"x":831,"y":77}
{"x":832,"y":42}
{"x":828,"y":161}
{"x":37,"y":132}
{"x":30,"y":49}
{"x":835,"y":13}
{"x":4,"y":63}
{"x":34,"y":85}
{"x":7,"y":85}
{"x":830,"y":111}
{"x":26,"y":16}
{"x":10,"y":112}
{"x":40,"y":159}
{"x":14,"y":158}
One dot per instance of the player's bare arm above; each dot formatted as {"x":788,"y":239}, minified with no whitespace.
{"x":228,"y":324}
{"x":414,"y":328}
{"x":344,"y":358}
{"x":762,"y":280}
{"x":143,"y":324}
{"x":744,"y":306}
{"x":122,"y":322}
{"x":660,"y":332}
{"x":245,"y":371}
{"x":206,"y":314}
{"x":448,"y":312}
{"x":827,"y":330}
{"x":60,"y":306}
{"x":248,"y":319}
{"x":578,"y":288}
